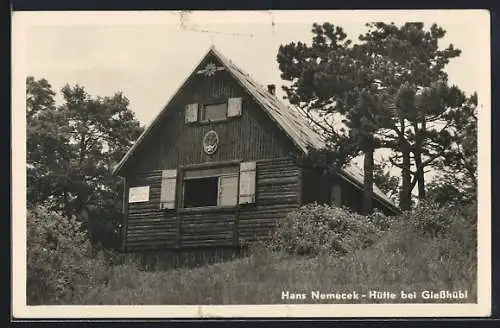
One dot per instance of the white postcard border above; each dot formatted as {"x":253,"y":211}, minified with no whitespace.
{"x":21,"y":21}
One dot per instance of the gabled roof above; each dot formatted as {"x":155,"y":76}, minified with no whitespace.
{"x":288,"y":119}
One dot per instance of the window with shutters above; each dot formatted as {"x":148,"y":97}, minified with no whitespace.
{"x":213,"y":112}
{"x":201,"y":192}
{"x":214,"y":187}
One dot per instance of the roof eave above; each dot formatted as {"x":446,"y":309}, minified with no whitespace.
{"x":356,"y":183}
{"x":224,"y":60}
{"x":118,"y":169}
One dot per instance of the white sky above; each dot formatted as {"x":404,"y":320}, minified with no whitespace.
{"x":147,"y":55}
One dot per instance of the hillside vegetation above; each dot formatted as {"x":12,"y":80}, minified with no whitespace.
{"x":317,"y":248}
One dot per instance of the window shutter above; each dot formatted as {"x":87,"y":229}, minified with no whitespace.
{"x":247,"y":182}
{"x":168,"y":189}
{"x":228,"y":190}
{"x":233,"y":107}
{"x":191,"y":114}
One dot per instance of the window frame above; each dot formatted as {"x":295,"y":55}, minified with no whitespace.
{"x":203,"y":105}
{"x":184,"y":191}
{"x":230,"y":113}
{"x":219,"y":173}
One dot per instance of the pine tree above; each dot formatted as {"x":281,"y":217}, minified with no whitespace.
{"x":391,"y":91}
{"x":413,"y":73}
{"x":334,"y":79}
{"x":73,"y":148}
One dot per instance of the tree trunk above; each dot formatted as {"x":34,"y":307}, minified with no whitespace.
{"x":368,"y":181}
{"x":417,"y":152}
{"x":405,"y":196}
{"x":420,"y":174}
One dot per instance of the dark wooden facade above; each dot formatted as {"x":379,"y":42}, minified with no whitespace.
{"x":149,"y":227}
{"x":322,"y":189}
{"x":251,"y":136}
{"x":177,"y":145}
{"x":172,"y":150}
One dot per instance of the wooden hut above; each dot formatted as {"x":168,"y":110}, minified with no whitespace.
{"x":217,"y":167}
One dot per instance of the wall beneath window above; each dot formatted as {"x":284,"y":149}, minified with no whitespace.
{"x":148,"y":227}
{"x":277,"y":193}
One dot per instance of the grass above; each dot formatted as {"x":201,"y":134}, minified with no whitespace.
{"x":399,"y":262}
{"x":402,"y":259}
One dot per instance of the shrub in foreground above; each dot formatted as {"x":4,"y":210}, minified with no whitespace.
{"x":322,"y":229}
{"x":59,"y":264}
{"x":402,"y":259}
{"x":405,"y":257}
{"x":432,"y":220}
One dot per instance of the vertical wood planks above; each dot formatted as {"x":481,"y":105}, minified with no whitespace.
{"x":251,"y":135}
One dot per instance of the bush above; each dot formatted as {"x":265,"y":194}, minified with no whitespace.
{"x":105,"y":226}
{"x":405,"y":253}
{"x":431,"y":220}
{"x":380,"y":220}
{"x":59,"y":265}
{"x":321,"y":229}
{"x":428,"y":219}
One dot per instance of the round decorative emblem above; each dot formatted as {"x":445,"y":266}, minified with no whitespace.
{"x":210,"y":142}
{"x":210,"y":69}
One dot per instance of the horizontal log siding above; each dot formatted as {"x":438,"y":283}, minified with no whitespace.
{"x":278,"y":193}
{"x":147,"y":226}
{"x":207,"y":229}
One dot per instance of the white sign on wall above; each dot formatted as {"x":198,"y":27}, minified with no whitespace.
{"x":138,"y":194}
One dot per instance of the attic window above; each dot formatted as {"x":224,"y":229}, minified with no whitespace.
{"x":213,"y":112}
